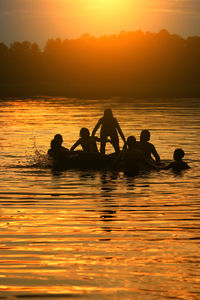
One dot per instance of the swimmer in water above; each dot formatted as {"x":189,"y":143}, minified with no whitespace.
{"x":178,"y":164}
{"x":109,"y":128}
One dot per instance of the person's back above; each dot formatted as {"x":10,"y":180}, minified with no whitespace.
{"x":109,"y":124}
{"x":87,"y":142}
{"x":146,"y":147}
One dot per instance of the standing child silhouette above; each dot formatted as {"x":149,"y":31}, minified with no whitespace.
{"x":109,"y":128}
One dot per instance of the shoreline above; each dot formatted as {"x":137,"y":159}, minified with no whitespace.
{"x":91,"y":92}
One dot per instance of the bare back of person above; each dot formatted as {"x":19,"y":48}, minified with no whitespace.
{"x":89,"y":144}
{"x":147,"y":148}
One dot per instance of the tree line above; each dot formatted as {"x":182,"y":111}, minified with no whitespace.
{"x":128,"y":64}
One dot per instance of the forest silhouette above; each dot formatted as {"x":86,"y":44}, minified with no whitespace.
{"x":130,"y":64}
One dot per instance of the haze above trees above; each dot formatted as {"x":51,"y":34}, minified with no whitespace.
{"x":135,"y":64}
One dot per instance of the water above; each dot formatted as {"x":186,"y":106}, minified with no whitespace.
{"x":98,"y":235}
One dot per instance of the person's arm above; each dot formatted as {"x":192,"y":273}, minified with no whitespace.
{"x":75,"y":145}
{"x":155,"y":154}
{"x":120,"y":132}
{"x":148,"y":162}
{"x":170,"y":166}
{"x":125,"y":147}
{"x":97,"y":127}
{"x":187,"y":166}
{"x":64,"y":149}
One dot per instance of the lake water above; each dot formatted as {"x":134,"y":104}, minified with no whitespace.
{"x":98,"y":235}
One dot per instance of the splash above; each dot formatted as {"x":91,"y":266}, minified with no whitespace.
{"x":39,"y":159}
{"x":34,"y":159}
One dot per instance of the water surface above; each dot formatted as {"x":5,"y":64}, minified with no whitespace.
{"x":98,"y":235}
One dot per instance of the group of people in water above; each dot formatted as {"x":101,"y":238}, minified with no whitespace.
{"x":135,"y":154}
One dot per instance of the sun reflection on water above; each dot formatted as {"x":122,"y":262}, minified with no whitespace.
{"x":92,"y":234}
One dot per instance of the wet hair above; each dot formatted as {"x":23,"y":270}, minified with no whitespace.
{"x":131,"y":141}
{"x":84,"y":132}
{"x":178,"y":153}
{"x":145,"y":135}
{"x":108,"y":113}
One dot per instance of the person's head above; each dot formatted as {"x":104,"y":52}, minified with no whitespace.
{"x":145,"y":135}
{"x":58,"y":139}
{"x":84,"y":132}
{"x":178,"y":154}
{"x":54,"y":145}
{"x":108,"y":113}
{"x":131,"y":141}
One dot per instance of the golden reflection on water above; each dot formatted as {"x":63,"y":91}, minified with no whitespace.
{"x":92,"y":234}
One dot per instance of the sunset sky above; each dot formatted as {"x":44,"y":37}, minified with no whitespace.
{"x":39,"y":20}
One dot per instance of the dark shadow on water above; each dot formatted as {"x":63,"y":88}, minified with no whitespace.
{"x":84,"y":176}
{"x":130,"y":182}
{"x":108,"y":183}
{"x":179,"y":173}
{"x":57,"y":173}
{"x":108,"y":204}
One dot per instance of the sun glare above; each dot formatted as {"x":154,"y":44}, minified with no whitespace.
{"x":107,"y":6}
{"x":99,"y":17}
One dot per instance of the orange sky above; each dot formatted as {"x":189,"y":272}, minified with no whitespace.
{"x":39,"y":20}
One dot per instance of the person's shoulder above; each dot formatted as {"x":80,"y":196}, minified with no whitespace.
{"x":151,"y":145}
{"x":179,"y":165}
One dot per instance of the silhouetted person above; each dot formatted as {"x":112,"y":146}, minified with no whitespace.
{"x":87,"y":142}
{"x":178,"y":164}
{"x":57,"y":149}
{"x":109,"y":127}
{"x":133,"y":160}
{"x":146,"y":147}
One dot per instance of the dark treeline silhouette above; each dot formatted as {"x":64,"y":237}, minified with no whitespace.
{"x":129,"y":64}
